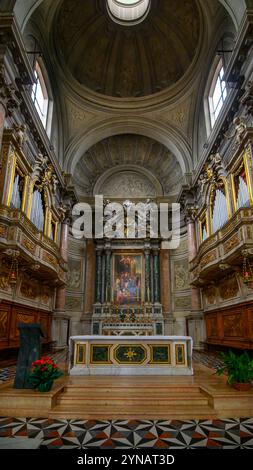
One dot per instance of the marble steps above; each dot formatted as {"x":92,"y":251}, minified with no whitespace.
{"x":150,"y":387}
{"x":132,"y":411}
{"x":133,"y":391}
{"x":131,"y":401}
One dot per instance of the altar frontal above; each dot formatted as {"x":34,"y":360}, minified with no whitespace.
{"x":130,"y":355}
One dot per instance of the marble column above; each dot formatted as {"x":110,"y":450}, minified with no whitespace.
{"x":90,"y":279}
{"x":60,"y":318}
{"x":147,"y":277}
{"x":64,"y":240}
{"x":192,"y":251}
{"x":195,"y":320}
{"x":61,"y":291}
{"x":103,"y":278}
{"x":156,"y":276}
{"x":98,"y":294}
{"x":165,"y":282}
{"x":108,"y":254}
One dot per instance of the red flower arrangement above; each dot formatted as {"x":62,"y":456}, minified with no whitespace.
{"x":44,"y":372}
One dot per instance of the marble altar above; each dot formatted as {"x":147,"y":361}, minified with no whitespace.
{"x":130,"y":355}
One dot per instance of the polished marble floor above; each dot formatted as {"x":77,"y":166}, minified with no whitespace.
{"x":124,"y":434}
{"x":36,"y":432}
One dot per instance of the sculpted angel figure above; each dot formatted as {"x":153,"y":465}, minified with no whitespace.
{"x":20,"y":133}
{"x":239,"y":132}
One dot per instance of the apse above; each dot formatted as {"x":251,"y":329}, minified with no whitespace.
{"x":128,"y":165}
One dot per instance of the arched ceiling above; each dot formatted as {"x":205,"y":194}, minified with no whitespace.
{"x":128,"y":166}
{"x":122,"y":61}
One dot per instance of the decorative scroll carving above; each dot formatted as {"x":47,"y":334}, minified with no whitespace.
{"x":231,"y":243}
{"x":29,"y":245}
{"x":208,"y":258}
{"x":50,"y":259}
{"x":73,"y":303}
{"x":3,"y":231}
{"x":181,"y":275}
{"x":228,"y":288}
{"x":182,"y":303}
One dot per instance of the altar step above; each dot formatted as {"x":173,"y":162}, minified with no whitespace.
{"x":130,"y":411}
{"x":130,"y":401}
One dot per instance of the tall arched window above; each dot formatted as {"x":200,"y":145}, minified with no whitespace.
{"x":217,"y":93}
{"x":40,"y":95}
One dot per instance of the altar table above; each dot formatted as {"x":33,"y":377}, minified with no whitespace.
{"x":130,"y":355}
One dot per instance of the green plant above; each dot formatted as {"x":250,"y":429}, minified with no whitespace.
{"x":238,"y":368}
{"x":44,"y":371}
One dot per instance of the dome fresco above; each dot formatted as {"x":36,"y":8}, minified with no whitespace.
{"x":121,"y":61}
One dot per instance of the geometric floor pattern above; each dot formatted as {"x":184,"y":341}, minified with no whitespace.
{"x":125,"y":434}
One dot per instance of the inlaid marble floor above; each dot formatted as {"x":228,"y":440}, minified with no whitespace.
{"x":36,"y":432}
{"x":123,"y":434}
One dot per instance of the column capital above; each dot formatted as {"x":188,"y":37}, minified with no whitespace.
{"x":191,"y":214}
{"x":8,"y":97}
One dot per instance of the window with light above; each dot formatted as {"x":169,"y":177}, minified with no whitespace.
{"x":218,"y":93}
{"x":40,"y":95}
{"x":128,"y":11}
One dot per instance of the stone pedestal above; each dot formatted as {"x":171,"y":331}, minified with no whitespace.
{"x":196,"y":329}
{"x":29,"y":351}
{"x":60,"y":329}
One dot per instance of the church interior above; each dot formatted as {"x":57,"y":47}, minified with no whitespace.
{"x":118,"y":104}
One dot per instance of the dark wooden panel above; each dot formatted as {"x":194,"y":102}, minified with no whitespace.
{"x":4,"y":325}
{"x":12,"y":314}
{"x":232,"y":326}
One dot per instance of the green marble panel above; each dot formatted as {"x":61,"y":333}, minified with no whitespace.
{"x":180,"y":354}
{"x":161,"y":354}
{"x":80,"y":357}
{"x":100,"y":354}
{"x":130,"y":354}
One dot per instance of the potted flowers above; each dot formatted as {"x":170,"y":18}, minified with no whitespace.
{"x":239,"y":369}
{"x":44,"y":372}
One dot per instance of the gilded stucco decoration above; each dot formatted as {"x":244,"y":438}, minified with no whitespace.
{"x":181,"y":275}
{"x":74,"y":276}
{"x":229,"y":288}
